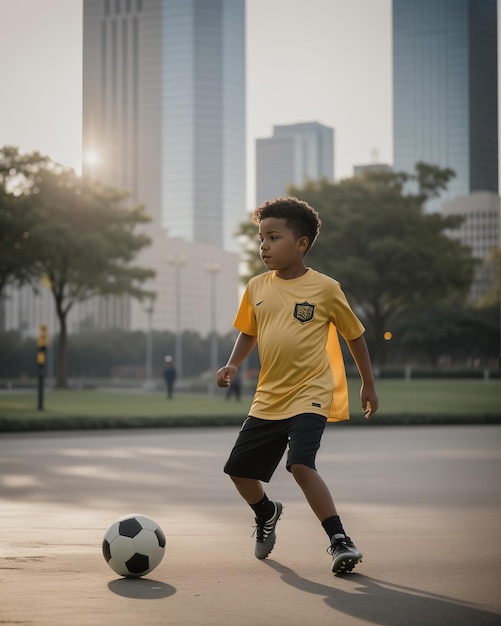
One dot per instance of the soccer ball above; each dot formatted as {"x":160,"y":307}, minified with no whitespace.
{"x":133,"y":545}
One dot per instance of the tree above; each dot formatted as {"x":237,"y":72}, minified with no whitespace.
{"x":86,"y":243}
{"x":250,"y":250}
{"x":17,"y":264}
{"x":491,"y":267}
{"x":451,"y":328}
{"x":389,"y":255}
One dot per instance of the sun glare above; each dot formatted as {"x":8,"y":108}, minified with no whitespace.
{"x":91,"y":158}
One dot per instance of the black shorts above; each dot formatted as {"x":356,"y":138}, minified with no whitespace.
{"x":261,"y":444}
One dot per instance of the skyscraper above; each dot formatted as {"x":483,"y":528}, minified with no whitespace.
{"x":480,"y":231}
{"x":164,"y":112}
{"x":445,"y":89}
{"x":294,"y":154}
{"x":164,"y":108}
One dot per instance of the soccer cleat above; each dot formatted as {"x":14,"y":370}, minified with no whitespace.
{"x":265,"y":533}
{"x":345,"y":554}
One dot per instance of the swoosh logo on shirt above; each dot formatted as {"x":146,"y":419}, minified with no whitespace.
{"x":260,"y":302}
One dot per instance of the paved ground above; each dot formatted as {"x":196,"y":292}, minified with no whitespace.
{"x":423,"y":504}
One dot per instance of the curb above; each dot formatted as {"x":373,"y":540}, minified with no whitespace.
{"x":84,"y":422}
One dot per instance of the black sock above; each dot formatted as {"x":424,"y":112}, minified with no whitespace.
{"x":263,"y":509}
{"x":332,"y":526}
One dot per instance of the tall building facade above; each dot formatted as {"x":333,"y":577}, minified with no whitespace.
{"x":196,"y":289}
{"x":445,"y":101}
{"x":294,"y":154}
{"x":164,"y":117}
{"x":164,"y":109}
{"x":359,"y":170}
{"x":480,"y":231}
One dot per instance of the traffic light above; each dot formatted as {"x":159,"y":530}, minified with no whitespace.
{"x":43,"y":336}
{"x":43,"y":342}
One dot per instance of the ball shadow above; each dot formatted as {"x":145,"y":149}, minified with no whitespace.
{"x":141,"y":588}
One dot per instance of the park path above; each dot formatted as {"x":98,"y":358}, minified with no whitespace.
{"x":423,"y":504}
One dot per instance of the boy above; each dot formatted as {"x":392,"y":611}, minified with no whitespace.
{"x":292,"y":313}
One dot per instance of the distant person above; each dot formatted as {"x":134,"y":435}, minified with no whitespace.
{"x":294,"y":313}
{"x":170,"y":375}
{"x":235,"y":389}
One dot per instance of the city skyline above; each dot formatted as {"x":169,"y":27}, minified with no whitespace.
{"x":164,"y":100}
{"x":445,"y":109}
{"x":325,"y":61}
{"x":294,"y":154}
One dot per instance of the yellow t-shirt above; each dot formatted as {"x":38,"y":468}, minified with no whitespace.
{"x":295,"y":321}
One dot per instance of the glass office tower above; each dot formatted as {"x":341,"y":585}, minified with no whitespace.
{"x":164,"y":108}
{"x":294,"y":154}
{"x":445,"y":89}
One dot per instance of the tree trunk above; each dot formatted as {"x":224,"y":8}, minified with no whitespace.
{"x":378,"y":355}
{"x":62,"y":352}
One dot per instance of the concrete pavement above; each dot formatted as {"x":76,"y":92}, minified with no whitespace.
{"x":422,"y":503}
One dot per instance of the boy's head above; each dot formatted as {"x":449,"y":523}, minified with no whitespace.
{"x":300,"y":217}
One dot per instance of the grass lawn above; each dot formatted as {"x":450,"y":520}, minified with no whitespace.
{"x":400,"y":401}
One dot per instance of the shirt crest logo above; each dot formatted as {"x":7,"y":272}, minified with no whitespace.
{"x":303,"y":312}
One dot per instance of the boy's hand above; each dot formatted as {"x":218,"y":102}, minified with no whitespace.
{"x":370,"y":401}
{"x":225,"y":374}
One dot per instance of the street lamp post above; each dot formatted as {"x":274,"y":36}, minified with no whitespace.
{"x":499,"y":362}
{"x":213,"y":269}
{"x":177,"y":263}
{"x":149,"y":347}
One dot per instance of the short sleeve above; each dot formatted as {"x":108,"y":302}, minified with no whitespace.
{"x":245,"y":320}
{"x":343,"y":318}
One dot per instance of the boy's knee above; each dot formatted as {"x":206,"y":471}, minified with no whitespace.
{"x":297,"y":469}
{"x":301,"y":471}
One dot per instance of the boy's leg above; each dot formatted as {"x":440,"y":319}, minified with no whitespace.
{"x":250,"y":489}
{"x":305,"y":435}
{"x":267,"y":513}
{"x":253,"y":493}
{"x":259,"y":447}
{"x":345,"y":554}
{"x":315,"y":490}
{"x":319,"y":498}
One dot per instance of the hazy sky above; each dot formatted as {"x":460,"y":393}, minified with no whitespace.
{"x":307,"y":60}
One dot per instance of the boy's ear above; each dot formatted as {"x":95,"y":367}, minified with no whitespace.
{"x":303,"y":243}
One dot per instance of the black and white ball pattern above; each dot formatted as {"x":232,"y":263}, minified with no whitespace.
{"x":134,"y":545}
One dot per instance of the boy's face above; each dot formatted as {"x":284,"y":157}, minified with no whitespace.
{"x":280,"y":250}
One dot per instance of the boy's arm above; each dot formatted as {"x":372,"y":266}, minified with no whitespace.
{"x":244,"y":345}
{"x":368,"y":395}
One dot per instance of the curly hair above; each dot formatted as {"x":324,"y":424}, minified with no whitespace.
{"x":301,"y":218}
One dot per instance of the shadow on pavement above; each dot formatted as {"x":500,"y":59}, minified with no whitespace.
{"x":387,"y":603}
{"x":141,"y":588}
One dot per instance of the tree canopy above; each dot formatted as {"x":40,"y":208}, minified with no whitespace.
{"x":16,"y":216}
{"x":492,"y":267}
{"x":80,"y":237}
